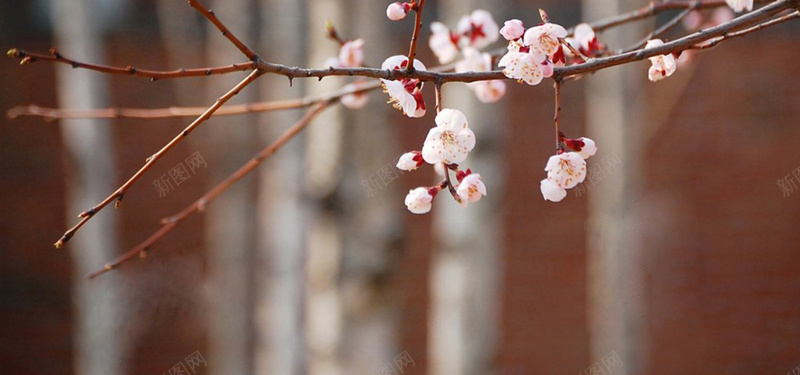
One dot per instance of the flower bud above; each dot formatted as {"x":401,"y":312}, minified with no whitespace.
{"x":396,"y":11}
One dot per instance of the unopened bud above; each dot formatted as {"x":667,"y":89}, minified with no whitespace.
{"x":396,"y":11}
{"x":545,"y":17}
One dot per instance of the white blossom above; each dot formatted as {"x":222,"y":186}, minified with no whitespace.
{"x":471,"y":189}
{"x":566,"y":170}
{"x":357,"y":100}
{"x":589,"y":148}
{"x":450,"y":141}
{"x":404,"y":94}
{"x":475,"y":61}
{"x":332,"y":62}
{"x":662,"y":65}
{"x":443,"y":43}
{"x":410,"y":161}
{"x":479,"y":29}
{"x":489,"y":91}
{"x":351,"y":54}
{"x":551,"y":191}
{"x":740,"y":5}
{"x":523,"y":66}
{"x":544,"y":39}
{"x":512,"y":29}
{"x":419,"y":200}
{"x":583,"y":36}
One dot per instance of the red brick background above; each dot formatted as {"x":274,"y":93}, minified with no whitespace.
{"x":720,"y":243}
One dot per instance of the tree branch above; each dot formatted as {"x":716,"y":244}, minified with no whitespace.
{"x":677,"y":45}
{"x":209,"y":14}
{"x":653,"y":9}
{"x":120,"y":192}
{"x":607,"y":23}
{"x":199,"y":205}
{"x":557,"y":113}
{"x":54,"y":56}
{"x":412,"y":49}
{"x":661,"y":30}
{"x":175,"y":112}
{"x":775,"y":21}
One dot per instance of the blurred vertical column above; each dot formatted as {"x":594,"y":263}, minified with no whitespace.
{"x":372,"y":200}
{"x":100,"y":344}
{"x":466,"y":266}
{"x":280,"y":281}
{"x":615,"y":310}
{"x":181,"y":30}
{"x":323,"y":172}
{"x":230,"y":220}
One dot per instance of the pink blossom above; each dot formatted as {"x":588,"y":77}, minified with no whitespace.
{"x":351,"y":55}
{"x":512,"y":29}
{"x":397,"y":11}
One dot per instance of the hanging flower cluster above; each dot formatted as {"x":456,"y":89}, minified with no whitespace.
{"x":567,"y":168}
{"x":447,"y":144}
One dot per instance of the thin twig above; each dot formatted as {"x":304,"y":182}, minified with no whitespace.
{"x":199,"y":205}
{"x":209,"y":14}
{"x":173,"y":112}
{"x":120,"y":192}
{"x":572,"y":49}
{"x":661,"y":30}
{"x":308,"y":101}
{"x":557,"y":113}
{"x":677,"y":45}
{"x":653,"y":9}
{"x":55,"y":56}
{"x":438,"y":94}
{"x":449,"y":184}
{"x":775,"y":21}
{"x":412,"y":49}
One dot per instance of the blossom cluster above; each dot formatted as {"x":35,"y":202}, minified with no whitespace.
{"x":567,"y":168}
{"x":447,"y":144}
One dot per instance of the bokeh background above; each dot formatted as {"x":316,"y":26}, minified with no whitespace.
{"x":679,"y":254}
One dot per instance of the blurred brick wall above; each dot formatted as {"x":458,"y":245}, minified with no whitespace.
{"x":720,"y":240}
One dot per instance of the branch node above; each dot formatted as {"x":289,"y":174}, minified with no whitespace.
{"x":88,"y":213}
{"x":118,"y":201}
{"x":15,"y":53}
{"x":55,"y":53}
